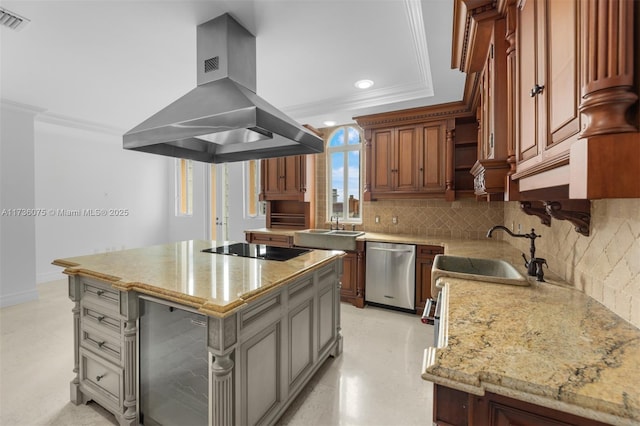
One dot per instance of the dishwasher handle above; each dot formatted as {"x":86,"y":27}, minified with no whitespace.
{"x":390,"y":249}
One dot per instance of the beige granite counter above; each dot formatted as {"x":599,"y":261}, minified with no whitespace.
{"x":545,"y":344}
{"x":181,"y":272}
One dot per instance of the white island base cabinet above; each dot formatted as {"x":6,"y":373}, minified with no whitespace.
{"x":260,"y":355}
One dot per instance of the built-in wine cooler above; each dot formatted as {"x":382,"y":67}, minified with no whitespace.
{"x":173,"y":370}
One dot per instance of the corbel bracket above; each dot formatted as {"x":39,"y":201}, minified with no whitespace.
{"x":540,"y":211}
{"x":578,"y":212}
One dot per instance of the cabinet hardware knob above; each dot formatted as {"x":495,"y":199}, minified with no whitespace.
{"x":98,"y":378}
{"x":100,"y":292}
{"x":101,"y":344}
{"x":100,"y":318}
{"x":537,"y":89}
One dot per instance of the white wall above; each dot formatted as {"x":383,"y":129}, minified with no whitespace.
{"x":18,"y":232}
{"x":238,"y":221}
{"x":78,"y":169}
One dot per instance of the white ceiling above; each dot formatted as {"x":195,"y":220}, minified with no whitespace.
{"x":115,"y":62}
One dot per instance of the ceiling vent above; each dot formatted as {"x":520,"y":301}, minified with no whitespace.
{"x":12,"y":20}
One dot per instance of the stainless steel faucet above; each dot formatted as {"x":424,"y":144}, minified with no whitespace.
{"x":533,"y":265}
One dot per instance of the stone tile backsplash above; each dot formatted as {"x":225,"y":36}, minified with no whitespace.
{"x":466,"y":219}
{"x":605,"y":265}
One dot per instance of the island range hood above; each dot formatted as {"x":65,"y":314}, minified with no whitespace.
{"x":222,"y":119}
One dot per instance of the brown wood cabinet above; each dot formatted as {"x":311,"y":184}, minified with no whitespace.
{"x":284,"y":178}
{"x":465,"y":149}
{"x":352,"y":281}
{"x":270,"y":239}
{"x":491,"y":168}
{"x":457,"y":408}
{"x":286,"y":184}
{"x":547,"y":91}
{"x":572,"y":88}
{"x":406,"y":160}
{"x":424,"y":261}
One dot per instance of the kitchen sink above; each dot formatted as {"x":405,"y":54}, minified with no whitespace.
{"x":326,"y":239}
{"x":318,"y":231}
{"x":347,"y":233}
{"x":488,"y":270}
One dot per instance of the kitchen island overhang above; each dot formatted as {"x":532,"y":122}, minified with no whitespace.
{"x":294,"y":304}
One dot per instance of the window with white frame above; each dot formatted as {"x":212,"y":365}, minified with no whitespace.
{"x":184,"y":187}
{"x":344,"y":171}
{"x":254,"y":207}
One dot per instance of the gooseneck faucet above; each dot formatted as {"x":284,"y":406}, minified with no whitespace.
{"x":532,"y":264}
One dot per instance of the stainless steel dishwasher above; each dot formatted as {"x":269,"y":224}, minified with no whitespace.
{"x":391,"y":275}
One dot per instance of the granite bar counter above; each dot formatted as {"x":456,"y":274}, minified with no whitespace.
{"x":273,"y":322}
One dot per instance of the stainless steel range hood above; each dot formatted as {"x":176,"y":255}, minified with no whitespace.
{"x":222,"y":119}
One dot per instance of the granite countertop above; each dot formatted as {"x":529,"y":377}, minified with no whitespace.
{"x":548,"y":343}
{"x":214,"y":284}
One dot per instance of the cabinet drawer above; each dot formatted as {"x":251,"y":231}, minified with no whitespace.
{"x":101,"y":319}
{"x":102,"y":343}
{"x":101,"y":294}
{"x":271,"y":240}
{"x":102,"y":379}
{"x":426,"y":251}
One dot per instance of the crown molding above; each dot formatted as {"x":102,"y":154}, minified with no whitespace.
{"x":80,"y":124}
{"x":21,"y":107}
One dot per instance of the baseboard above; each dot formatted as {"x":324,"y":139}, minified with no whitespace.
{"x":17,"y":298}
{"x":45,"y":277}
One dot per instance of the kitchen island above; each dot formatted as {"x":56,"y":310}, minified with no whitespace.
{"x":267,"y":322}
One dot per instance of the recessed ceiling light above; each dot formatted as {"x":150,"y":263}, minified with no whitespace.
{"x":363,"y":84}
{"x":329,"y":123}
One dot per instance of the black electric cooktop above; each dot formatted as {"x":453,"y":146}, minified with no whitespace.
{"x":257,"y":251}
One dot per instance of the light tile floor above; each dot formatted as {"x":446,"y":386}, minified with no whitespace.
{"x":376,"y":380}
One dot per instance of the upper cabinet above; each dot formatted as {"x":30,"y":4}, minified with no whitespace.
{"x":490,"y":170}
{"x":547,"y":90}
{"x":284,"y":178}
{"x":555,"y":88}
{"x":411,"y":153}
{"x":407,"y":160}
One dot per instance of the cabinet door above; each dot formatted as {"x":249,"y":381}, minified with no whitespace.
{"x":404,"y":176}
{"x":562,"y":80}
{"x":423,"y":282}
{"x":548,"y":82}
{"x":528,"y":77}
{"x":271,"y":177}
{"x":348,"y":286}
{"x":260,"y":377}
{"x":382,"y":161}
{"x":290,"y":176}
{"x":430,"y":155}
{"x":424,"y":261}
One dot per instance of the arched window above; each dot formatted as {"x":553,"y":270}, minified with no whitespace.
{"x":344,"y":192}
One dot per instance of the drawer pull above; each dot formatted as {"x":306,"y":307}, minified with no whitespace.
{"x":100,"y":292}
{"x":100,"y":318}
{"x":101,"y":344}
{"x":98,"y":378}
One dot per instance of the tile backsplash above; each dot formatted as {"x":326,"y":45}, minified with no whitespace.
{"x":605,"y":265}
{"x":466,"y":219}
